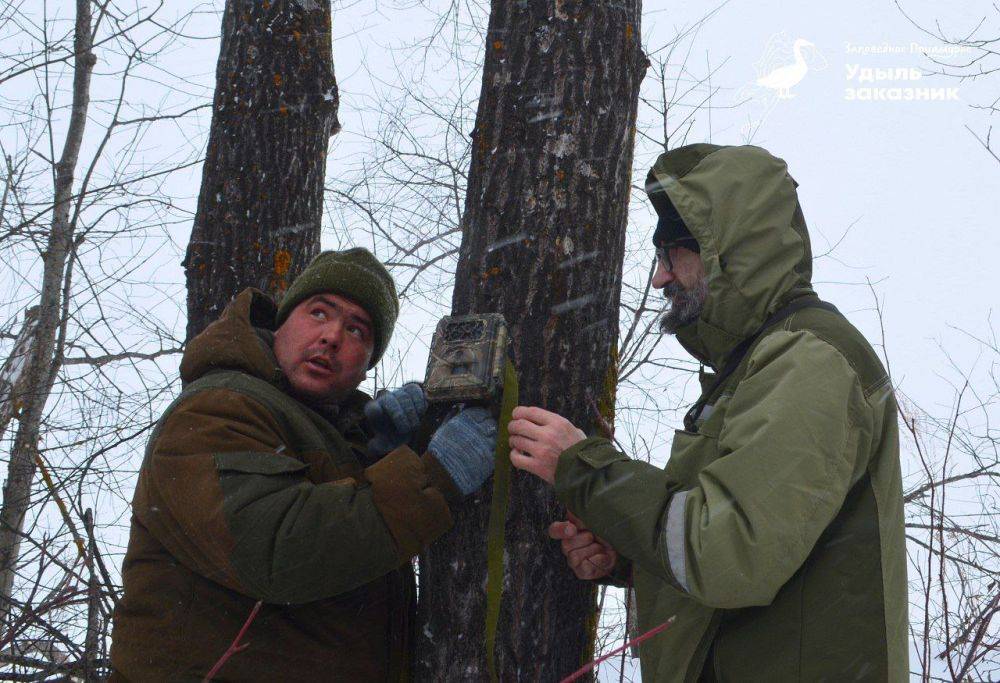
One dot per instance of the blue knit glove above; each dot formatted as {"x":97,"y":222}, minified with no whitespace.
{"x":394,"y":416}
{"x":464,"y":445}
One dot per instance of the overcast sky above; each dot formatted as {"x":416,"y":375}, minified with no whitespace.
{"x":905,"y":178}
{"x":913,"y":189}
{"x":915,"y":192}
{"x":920,"y":190}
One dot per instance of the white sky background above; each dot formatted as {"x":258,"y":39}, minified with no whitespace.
{"x":921,"y":192}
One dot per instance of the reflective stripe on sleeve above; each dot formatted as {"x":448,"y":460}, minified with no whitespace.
{"x":674,"y":538}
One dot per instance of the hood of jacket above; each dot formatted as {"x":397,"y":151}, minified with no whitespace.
{"x":741,"y":204}
{"x":242,"y":340}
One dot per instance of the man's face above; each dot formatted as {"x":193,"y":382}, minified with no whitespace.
{"x":324,"y":347}
{"x":685,"y":286}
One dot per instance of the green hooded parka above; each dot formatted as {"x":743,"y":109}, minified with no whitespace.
{"x":775,"y":533}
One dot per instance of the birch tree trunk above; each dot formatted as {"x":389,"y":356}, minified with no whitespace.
{"x":38,"y":375}
{"x":259,"y":210}
{"x":14,"y":376}
{"x":542,"y":243}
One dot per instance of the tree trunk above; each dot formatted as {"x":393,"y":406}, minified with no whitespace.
{"x":43,"y":361}
{"x":92,"y":637}
{"x":259,"y":210}
{"x":543,"y":243}
{"x":14,"y":382}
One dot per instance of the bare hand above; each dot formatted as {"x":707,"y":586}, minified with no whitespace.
{"x":537,"y":437}
{"x":589,"y":556}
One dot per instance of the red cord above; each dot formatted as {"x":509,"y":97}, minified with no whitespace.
{"x":645,"y":636}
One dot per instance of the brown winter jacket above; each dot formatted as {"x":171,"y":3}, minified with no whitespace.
{"x":247,"y":494}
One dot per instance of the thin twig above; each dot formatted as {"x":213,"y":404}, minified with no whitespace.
{"x":235,"y":647}
{"x":645,"y":636}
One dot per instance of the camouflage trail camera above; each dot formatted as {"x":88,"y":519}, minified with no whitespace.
{"x":466,"y":361}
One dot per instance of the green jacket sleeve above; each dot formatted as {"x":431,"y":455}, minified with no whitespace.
{"x":229,"y":500}
{"x":788,"y":454}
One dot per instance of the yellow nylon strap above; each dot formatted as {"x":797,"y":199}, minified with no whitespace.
{"x":498,"y":517}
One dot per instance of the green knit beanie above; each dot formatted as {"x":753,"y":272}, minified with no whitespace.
{"x":356,"y":274}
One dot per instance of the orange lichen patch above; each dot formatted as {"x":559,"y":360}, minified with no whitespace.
{"x":282,"y":262}
{"x":549,"y":331}
{"x":497,"y":44}
{"x":492,"y":272}
{"x":628,"y":31}
{"x":283,"y":110}
{"x":277,"y":80}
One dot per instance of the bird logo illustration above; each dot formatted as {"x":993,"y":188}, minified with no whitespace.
{"x":786,"y":77}
{"x":782,"y":67}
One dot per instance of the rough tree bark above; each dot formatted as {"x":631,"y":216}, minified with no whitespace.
{"x":259,"y":210}
{"x":543,"y":242}
{"x":38,"y":375}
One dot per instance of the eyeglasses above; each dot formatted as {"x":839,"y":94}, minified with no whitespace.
{"x":663,"y":251}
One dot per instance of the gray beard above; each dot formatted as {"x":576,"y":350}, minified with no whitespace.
{"x":685,"y":305}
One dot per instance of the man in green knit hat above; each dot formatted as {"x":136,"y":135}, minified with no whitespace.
{"x":272,"y":481}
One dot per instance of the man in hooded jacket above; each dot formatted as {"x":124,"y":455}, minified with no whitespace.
{"x":272,"y":481}
{"x":774,"y":536}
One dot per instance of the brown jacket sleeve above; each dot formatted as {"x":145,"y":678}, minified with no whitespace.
{"x":228,"y":499}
